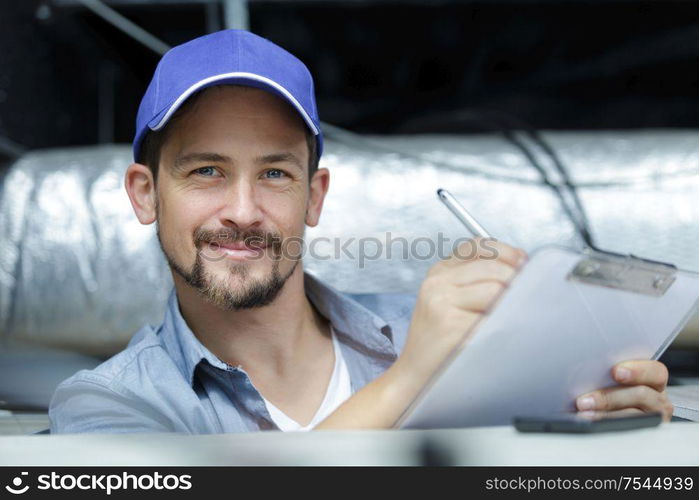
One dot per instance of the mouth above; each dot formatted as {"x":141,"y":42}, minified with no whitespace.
{"x":237,"y":250}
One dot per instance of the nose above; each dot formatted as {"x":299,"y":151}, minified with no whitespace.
{"x":241,"y":206}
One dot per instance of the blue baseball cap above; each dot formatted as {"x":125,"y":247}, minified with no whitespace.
{"x":225,"y":57}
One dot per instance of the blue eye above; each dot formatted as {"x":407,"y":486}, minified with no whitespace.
{"x":206,"y":171}
{"x":274,"y":174}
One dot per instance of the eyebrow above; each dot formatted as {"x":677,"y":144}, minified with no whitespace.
{"x":182,"y":161}
{"x":280,"y":158}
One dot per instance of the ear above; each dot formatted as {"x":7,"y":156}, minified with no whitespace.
{"x":318,"y":189}
{"x":140,"y":187}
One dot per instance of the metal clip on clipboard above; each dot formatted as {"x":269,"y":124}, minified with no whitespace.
{"x":624,"y":272}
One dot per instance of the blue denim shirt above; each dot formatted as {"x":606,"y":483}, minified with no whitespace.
{"x":168,"y":381}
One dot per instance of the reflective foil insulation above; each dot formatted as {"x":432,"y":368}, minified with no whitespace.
{"x":78,"y":271}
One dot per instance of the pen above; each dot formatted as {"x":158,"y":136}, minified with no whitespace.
{"x":466,"y":218}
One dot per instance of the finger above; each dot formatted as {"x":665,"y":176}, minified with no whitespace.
{"x":478,"y":297}
{"x":482,"y":270}
{"x":626,"y":412}
{"x":620,"y":398}
{"x":487,"y":249}
{"x":641,"y":372}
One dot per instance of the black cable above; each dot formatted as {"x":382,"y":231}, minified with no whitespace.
{"x":579,"y":220}
{"x":506,"y":125}
{"x":583,"y":224}
{"x":352,"y":139}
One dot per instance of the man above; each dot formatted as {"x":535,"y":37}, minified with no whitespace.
{"x":226,"y":163}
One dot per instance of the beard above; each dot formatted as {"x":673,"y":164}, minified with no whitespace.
{"x":252,"y":292}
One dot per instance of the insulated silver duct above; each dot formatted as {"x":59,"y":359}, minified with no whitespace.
{"x":78,"y":271}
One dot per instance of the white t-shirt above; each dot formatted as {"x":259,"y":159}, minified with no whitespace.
{"x":339,"y":390}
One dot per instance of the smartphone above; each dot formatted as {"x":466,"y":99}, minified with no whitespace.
{"x":577,"y":423}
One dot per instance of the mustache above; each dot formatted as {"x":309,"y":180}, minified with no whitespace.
{"x":253,"y":238}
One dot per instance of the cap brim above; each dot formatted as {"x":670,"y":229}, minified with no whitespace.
{"x":241,"y":78}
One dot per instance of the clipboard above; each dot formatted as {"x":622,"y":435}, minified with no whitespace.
{"x":555,"y":334}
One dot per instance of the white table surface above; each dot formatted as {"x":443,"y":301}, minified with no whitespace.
{"x":675,"y":443}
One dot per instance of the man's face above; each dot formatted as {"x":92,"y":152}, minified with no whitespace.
{"x":232,"y":186}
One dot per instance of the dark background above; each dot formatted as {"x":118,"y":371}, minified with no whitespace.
{"x":69,"y":78}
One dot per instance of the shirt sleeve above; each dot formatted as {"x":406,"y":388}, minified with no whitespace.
{"x":89,"y":406}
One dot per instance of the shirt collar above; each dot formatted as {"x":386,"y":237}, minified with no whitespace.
{"x":182,"y":345}
{"x":350,"y":319}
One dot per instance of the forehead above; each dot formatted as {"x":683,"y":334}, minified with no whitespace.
{"x":238,"y":100}
{"x":237,"y":114}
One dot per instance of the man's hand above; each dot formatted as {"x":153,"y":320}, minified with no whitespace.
{"x":452,"y":299}
{"x":641,"y":389}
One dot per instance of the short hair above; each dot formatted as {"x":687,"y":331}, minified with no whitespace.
{"x":152,"y":143}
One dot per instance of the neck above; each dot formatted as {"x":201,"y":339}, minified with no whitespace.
{"x":275,"y":335}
